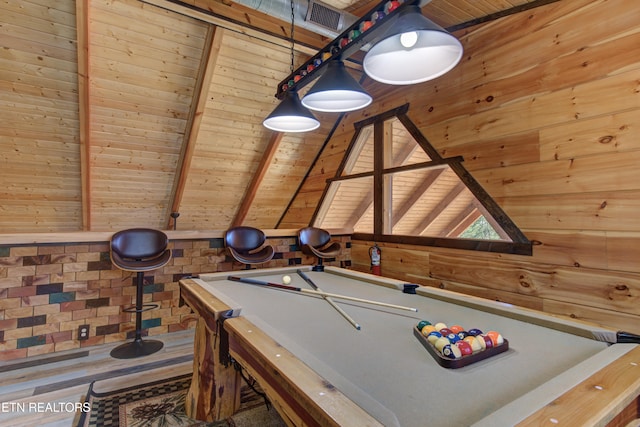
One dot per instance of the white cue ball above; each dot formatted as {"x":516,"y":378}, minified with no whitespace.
{"x":286,"y":280}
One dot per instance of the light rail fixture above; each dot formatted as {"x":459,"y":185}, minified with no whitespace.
{"x":402,"y":47}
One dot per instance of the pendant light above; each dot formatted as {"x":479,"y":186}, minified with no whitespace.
{"x":290,"y":115}
{"x":336,"y":91}
{"x":413,"y":50}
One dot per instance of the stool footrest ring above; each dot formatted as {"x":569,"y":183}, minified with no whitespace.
{"x":145,"y":307}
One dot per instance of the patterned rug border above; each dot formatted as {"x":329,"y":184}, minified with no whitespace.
{"x":90,"y":392}
{"x":254,"y":410}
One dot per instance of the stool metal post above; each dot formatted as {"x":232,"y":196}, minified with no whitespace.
{"x":138,"y":347}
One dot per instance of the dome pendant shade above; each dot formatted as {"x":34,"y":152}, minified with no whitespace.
{"x":336,"y":91}
{"x":291,"y":116}
{"x":413,"y":50}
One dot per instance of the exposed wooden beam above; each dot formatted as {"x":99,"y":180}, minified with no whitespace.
{"x":490,"y":206}
{"x":461,"y":222}
{"x":210,"y":55}
{"x":258,"y":176}
{"x":416,"y":194}
{"x":360,"y":210}
{"x":491,"y":220}
{"x":356,"y":145}
{"x":84,"y":108}
{"x":438,"y":209}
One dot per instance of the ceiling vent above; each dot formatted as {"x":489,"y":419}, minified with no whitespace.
{"x":325,"y":16}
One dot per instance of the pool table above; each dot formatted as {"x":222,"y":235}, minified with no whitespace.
{"x":317,"y":369}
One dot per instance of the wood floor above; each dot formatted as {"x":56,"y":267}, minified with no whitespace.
{"x":40,"y":391}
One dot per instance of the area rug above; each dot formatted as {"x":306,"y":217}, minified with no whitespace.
{"x":162,"y":404}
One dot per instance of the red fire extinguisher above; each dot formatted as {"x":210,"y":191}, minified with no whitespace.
{"x":374,"y":254}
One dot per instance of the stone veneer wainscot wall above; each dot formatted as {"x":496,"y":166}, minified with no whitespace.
{"x":47,"y":290}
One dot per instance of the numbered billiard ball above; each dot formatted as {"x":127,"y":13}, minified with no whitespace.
{"x":440,"y":325}
{"x":496,"y":338}
{"x":464,"y":347}
{"x":433,"y":336}
{"x":486,"y":340}
{"x":451,"y":351}
{"x":427,"y":330}
{"x":453,"y":338}
{"x":474,"y":332}
{"x":422,"y":324}
{"x":474,"y":342}
{"x":456,"y":328}
{"x":441,"y":342}
{"x":445,"y":331}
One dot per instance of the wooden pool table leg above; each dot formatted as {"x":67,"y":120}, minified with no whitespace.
{"x":215,"y":387}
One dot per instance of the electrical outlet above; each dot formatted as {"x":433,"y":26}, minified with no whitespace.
{"x":83,"y":332}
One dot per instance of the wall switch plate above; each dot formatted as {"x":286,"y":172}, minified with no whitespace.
{"x":83,"y":332}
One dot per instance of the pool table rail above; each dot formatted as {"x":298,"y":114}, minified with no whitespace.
{"x":609,"y":397}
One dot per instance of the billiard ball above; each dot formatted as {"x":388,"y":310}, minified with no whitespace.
{"x":445,"y":331}
{"x":474,"y":342}
{"x":365,"y":25}
{"x":441,"y":342}
{"x":286,"y":279}
{"x":422,"y":324}
{"x":390,"y":6}
{"x":463,"y":334}
{"x":496,"y":338}
{"x":453,"y":338}
{"x":451,"y":351}
{"x":427,"y":330}
{"x":474,"y":332}
{"x":465,"y":348}
{"x":440,"y":325}
{"x":456,"y":328}
{"x":487,"y":341}
{"x":433,"y":336}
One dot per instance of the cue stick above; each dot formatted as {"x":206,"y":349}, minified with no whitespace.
{"x":312,"y":292}
{"x":329,"y":300}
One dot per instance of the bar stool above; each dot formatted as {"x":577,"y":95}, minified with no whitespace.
{"x":317,"y":242}
{"x":247,"y":245}
{"x":139,"y":250}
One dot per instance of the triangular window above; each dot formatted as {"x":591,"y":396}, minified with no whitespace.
{"x":393,"y":186}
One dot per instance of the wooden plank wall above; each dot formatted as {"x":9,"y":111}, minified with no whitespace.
{"x":144,"y":62}
{"x":544,"y":107}
{"x":40,"y":156}
{"x":232,"y":140}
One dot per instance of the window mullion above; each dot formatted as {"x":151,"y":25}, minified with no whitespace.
{"x":378,"y":179}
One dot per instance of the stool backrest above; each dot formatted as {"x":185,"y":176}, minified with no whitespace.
{"x":313,"y":236}
{"x":244,"y":238}
{"x":139,"y":243}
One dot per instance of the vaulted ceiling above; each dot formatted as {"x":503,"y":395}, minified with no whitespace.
{"x":116,"y":113}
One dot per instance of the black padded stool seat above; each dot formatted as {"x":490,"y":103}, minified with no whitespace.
{"x":247,"y":245}
{"x":139,"y":250}
{"x":317,"y":242}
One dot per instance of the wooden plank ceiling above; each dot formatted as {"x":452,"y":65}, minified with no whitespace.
{"x":116,"y":113}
